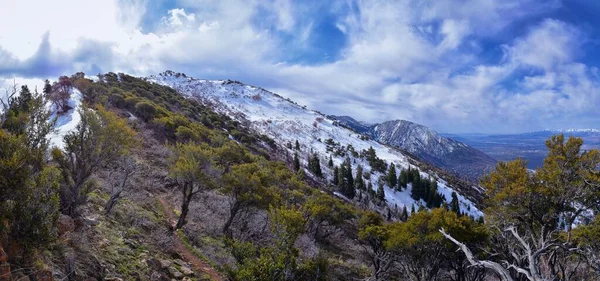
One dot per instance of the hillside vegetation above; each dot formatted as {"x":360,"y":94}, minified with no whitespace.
{"x":149,"y":184}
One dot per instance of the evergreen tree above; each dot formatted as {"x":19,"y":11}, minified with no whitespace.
{"x":409,"y":175}
{"x":360,"y":182}
{"x":336,"y":176}
{"x":380,"y":193}
{"x":314,"y":165}
{"x":297,"y":146}
{"x":402,"y":180}
{"x":404,"y":215}
{"x":330,"y":163}
{"x":391,"y":176}
{"x":418,"y":189}
{"x":348,"y":173}
{"x":454,"y":204}
{"x":296,"y":162}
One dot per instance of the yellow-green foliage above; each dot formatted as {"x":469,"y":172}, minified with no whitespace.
{"x":28,"y":195}
{"x":569,"y":177}
{"x":99,"y":139}
{"x":421,"y":230}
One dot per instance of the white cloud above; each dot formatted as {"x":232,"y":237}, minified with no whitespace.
{"x":178,"y":18}
{"x":552,"y":43}
{"x":416,"y":60}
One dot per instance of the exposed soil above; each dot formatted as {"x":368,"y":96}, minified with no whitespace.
{"x":198,"y":264}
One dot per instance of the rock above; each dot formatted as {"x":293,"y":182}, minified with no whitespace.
{"x":165,"y":264}
{"x":131,"y":243}
{"x":153,"y":263}
{"x":186,"y":271}
{"x":65,"y":225}
{"x":175,"y":273}
{"x":155,"y":276}
{"x":92,"y":221}
{"x":113,"y":279}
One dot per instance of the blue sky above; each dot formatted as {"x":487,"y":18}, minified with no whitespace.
{"x":488,"y":66}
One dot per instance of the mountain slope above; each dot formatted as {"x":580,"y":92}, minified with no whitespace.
{"x":285,"y":122}
{"x":428,"y":145}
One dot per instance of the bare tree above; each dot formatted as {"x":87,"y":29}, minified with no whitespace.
{"x":59,"y":93}
{"x":126,"y":168}
{"x":7,"y":101}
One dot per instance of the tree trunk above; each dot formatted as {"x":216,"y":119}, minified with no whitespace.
{"x":232,"y":213}
{"x":185,"y":204}
{"x":112,"y":202}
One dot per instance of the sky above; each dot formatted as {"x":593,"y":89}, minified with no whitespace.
{"x":458,"y":66}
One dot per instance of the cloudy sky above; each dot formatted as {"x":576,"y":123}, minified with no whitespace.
{"x":454,"y":65}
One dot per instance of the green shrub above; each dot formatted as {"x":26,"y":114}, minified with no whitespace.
{"x":145,"y":110}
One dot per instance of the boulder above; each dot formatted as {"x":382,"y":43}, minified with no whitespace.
{"x":165,"y":264}
{"x":186,"y":271}
{"x":155,"y":276}
{"x":175,"y":273}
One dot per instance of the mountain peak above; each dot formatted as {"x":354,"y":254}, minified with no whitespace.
{"x":426,"y":144}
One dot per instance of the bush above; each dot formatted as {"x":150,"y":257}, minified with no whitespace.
{"x":145,"y":110}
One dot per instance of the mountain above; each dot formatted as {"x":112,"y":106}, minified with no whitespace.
{"x":287,"y":122}
{"x":529,"y":146}
{"x":425,"y":143}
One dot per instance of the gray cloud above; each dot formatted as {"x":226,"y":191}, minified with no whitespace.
{"x":416,"y":60}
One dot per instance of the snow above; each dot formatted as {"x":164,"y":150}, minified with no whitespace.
{"x":285,"y":121}
{"x":67,"y":121}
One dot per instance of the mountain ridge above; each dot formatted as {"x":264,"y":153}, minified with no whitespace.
{"x":286,"y":122}
{"x":426,"y":144}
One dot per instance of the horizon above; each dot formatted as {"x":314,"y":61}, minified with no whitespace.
{"x":492,"y":68}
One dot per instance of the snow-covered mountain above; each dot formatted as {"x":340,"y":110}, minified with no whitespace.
{"x":285,"y":121}
{"x":573,"y":132}
{"x":426,"y":144}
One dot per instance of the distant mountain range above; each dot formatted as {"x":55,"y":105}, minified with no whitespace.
{"x":285,"y":123}
{"x":529,"y":146}
{"x":425,"y":143}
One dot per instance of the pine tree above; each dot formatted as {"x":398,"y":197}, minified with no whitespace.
{"x":336,"y":175}
{"x":330,"y":163}
{"x":454,"y":204}
{"x":404,"y":215}
{"x":389,"y":214}
{"x":360,"y":182}
{"x":314,"y":165}
{"x":296,"y":162}
{"x":348,"y":173}
{"x":297,"y":145}
{"x":391,"y":176}
{"x":380,"y":193}
{"x":402,"y":180}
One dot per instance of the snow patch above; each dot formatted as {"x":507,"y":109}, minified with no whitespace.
{"x":67,"y":121}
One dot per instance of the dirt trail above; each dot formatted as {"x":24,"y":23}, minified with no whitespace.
{"x":198,"y":264}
